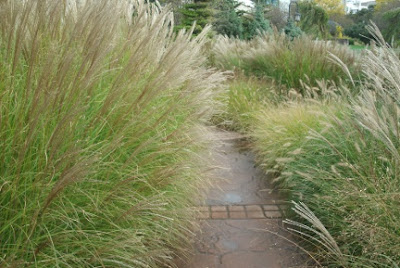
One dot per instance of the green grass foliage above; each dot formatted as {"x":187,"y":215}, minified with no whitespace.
{"x":279,"y":132}
{"x":341,"y":166}
{"x":285,"y":61}
{"x":100,"y":125}
{"x":244,"y":96}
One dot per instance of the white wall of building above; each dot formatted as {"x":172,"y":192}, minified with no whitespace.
{"x":353,"y":6}
{"x":248,"y":4}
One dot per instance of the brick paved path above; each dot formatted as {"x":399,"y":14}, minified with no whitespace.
{"x":241,"y":224}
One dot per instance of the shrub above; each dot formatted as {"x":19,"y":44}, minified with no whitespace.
{"x":100,"y":120}
{"x":358,"y":31}
{"x":292,"y":31}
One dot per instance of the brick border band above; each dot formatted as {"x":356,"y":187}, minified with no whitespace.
{"x":270,"y":211}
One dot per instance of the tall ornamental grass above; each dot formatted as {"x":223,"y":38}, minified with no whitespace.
{"x":243,"y":97}
{"x":248,"y":100}
{"x":343,"y":171}
{"x":285,"y":61}
{"x":101,"y":110}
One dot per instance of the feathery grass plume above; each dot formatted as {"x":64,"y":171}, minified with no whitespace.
{"x":287,"y":62}
{"x":318,"y":229}
{"x":101,"y":113}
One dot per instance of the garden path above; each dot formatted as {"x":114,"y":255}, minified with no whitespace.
{"x":241,"y":221}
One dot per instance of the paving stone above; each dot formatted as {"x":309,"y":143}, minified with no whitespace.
{"x":219,"y":212}
{"x":219,"y":215}
{"x":218,"y":208}
{"x":237,"y":215}
{"x":253,"y":208}
{"x":273,"y":225}
{"x":237,"y":212}
{"x":236,"y":208}
{"x":250,"y":260}
{"x":248,"y":240}
{"x":225,"y":245}
{"x":205,"y":244}
{"x":270,"y":207}
{"x":201,"y":261}
{"x":254,"y":212}
{"x":255,"y":215}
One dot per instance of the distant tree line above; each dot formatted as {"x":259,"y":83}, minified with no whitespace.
{"x":225,"y":16}
{"x":321,"y":19}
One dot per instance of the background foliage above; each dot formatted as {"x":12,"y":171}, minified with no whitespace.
{"x":314,"y":19}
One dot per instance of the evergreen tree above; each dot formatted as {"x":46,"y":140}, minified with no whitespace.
{"x":227,"y":20}
{"x":292,"y":31}
{"x":198,"y":11}
{"x":257,"y":24}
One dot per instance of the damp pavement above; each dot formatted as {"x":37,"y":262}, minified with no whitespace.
{"x":241,"y":218}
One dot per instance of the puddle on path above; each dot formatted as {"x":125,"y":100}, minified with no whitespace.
{"x":232,"y":198}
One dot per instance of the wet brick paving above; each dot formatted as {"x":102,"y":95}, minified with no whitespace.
{"x":241,"y":220}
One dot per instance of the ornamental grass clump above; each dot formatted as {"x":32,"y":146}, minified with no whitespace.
{"x":243,"y":97}
{"x":101,"y":111}
{"x":285,"y":61}
{"x":342,"y":170}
